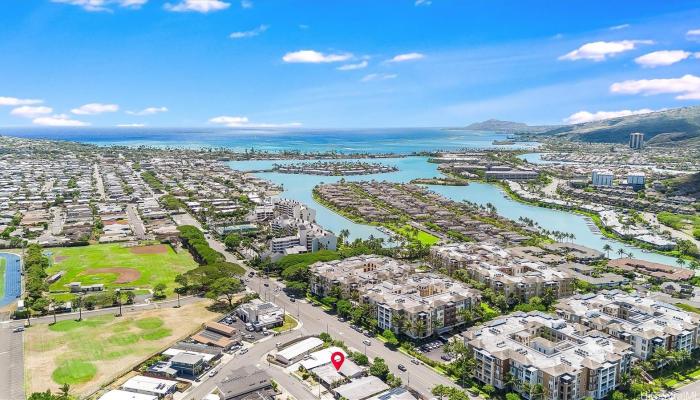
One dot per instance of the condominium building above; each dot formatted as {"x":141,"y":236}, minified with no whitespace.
{"x":636,"y":140}
{"x":569,"y":361}
{"x":497,"y":268}
{"x":646,"y":324}
{"x":601,"y":177}
{"x":295,"y":230}
{"x":420,"y":305}
{"x":354,"y":274}
{"x":295,"y":209}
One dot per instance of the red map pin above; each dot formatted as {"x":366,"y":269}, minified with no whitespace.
{"x":337,"y":359}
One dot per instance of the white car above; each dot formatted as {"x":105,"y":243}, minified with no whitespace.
{"x":367,"y":342}
{"x":243,"y":351}
{"x":213,"y":372}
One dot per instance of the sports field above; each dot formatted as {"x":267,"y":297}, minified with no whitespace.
{"x":97,"y":350}
{"x":117,"y":266}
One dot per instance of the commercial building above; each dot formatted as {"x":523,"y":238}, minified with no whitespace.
{"x":246,"y":383}
{"x":569,"y":361}
{"x":187,"y":364}
{"x":601,"y":178}
{"x":262,"y":315}
{"x":295,"y":352}
{"x":636,"y":140}
{"x":151,"y":386}
{"x":361,"y":389}
{"x":642,"y":322}
{"x":126,"y":395}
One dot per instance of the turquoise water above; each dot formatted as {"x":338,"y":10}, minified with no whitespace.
{"x":394,"y":140}
{"x":299,"y":187}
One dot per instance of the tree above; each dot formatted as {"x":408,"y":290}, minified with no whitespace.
{"x":64,"y":392}
{"x":226,"y":287}
{"x":343,"y":307}
{"x":488,"y":389}
{"x":379,"y":368}
{"x":512,"y":396}
{"x":607,"y":248}
{"x":159,"y":290}
{"x":232,"y":241}
{"x":359,"y":358}
{"x":390,"y":337}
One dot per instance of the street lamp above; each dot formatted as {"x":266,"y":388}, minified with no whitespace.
{"x":119,"y":300}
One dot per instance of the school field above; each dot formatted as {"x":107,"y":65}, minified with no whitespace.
{"x":115,"y":265}
{"x":95,"y":351}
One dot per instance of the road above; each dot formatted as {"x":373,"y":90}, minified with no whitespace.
{"x":12,"y":360}
{"x":315,"y":321}
{"x":100,"y":185}
{"x":135,"y":221}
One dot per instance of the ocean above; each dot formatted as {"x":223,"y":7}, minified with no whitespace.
{"x":394,"y":140}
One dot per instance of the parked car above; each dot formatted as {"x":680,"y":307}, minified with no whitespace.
{"x":401,"y":367}
{"x":243,"y":351}
{"x":415,"y":361}
{"x":292,"y":299}
{"x":18,"y":329}
{"x":446,"y":357}
{"x":213,"y":372}
{"x":367,"y":342}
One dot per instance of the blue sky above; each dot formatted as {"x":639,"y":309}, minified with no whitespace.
{"x":342,"y":64}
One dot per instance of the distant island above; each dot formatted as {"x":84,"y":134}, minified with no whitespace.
{"x":499,"y":126}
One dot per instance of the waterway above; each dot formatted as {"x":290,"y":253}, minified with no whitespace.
{"x":12,"y":278}
{"x":299,"y":187}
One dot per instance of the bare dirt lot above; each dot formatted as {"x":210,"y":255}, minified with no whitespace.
{"x":124,"y":275}
{"x":154,"y":249}
{"x":95,"y":351}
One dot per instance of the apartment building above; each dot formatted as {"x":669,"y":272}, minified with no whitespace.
{"x":353,"y":274}
{"x":419,"y":305}
{"x":500,"y":270}
{"x":642,"y":322}
{"x":569,"y":361}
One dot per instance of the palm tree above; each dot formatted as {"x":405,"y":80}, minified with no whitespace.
{"x":680,"y":261}
{"x":621,"y":252}
{"x":607,"y":248}
{"x":694,"y":265}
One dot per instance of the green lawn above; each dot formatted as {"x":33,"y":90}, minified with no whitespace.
{"x":289,"y":323}
{"x":2,"y":277}
{"x":152,"y":268}
{"x":422,"y":236}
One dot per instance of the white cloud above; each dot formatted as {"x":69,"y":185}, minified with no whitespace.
{"x":585,"y":116}
{"x":244,"y":122}
{"x":58,"y":120}
{"x":419,"y":3}
{"x":95,"y":108}
{"x":407,"y":57}
{"x":130,"y":125}
{"x":251,"y":33}
{"x":662,"y":58}
{"x":599,"y":51}
{"x":303,"y":26}
{"x":686,"y":87}
{"x":350,"y":67}
{"x":314,"y":57}
{"x":693,"y":34}
{"x":103,"y":5}
{"x":246,"y":4}
{"x":200,"y":6}
{"x":378,"y":77}
{"x":619,"y":27}
{"x":149,"y":111}
{"x":14,"y":101}
{"x":31,"y":111}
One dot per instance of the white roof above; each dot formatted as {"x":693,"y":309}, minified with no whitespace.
{"x":124,"y":395}
{"x":300,"y":348}
{"x":148,"y":384}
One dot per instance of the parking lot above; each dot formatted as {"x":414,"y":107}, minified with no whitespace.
{"x":435,"y":350}
{"x":235,"y":322}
